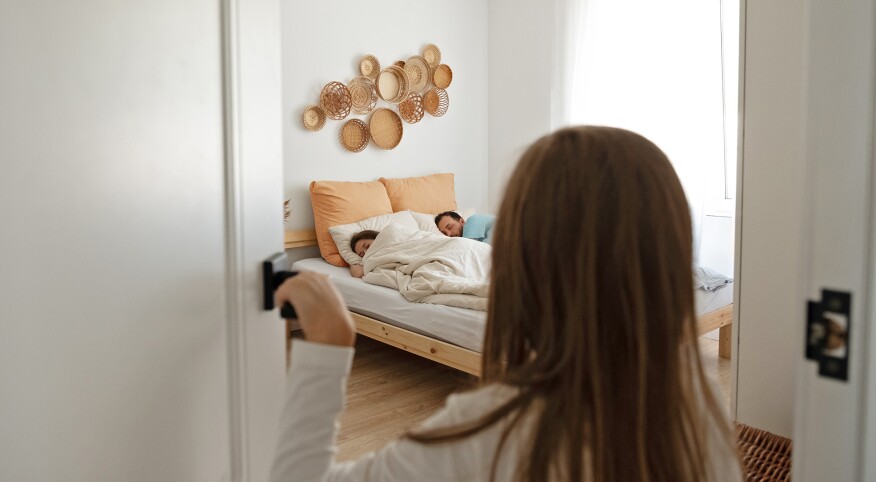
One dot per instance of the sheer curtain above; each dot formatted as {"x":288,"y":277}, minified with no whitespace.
{"x":654,"y":68}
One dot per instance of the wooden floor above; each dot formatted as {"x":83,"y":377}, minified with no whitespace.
{"x":391,"y":391}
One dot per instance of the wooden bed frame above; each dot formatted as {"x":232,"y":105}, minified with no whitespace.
{"x":462,"y":358}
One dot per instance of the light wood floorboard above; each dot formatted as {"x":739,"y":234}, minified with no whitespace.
{"x":390,"y":391}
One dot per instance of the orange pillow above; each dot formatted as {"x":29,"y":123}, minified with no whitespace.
{"x":427,"y":194}
{"x":336,"y":203}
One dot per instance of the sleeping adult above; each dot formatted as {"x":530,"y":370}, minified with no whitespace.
{"x":590,"y":366}
{"x":478,"y":226}
{"x":359,"y":243}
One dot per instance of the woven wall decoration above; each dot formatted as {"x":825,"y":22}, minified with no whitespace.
{"x":313,"y":118}
{"x":354,"y":135}
{"x":436,"y":102}
{"x":393,"y":84}
{"x":369,"y":67}
{"x":416,"y":85}
{"x":411,"y":110}
{"x":335,"y":100}
{"x":386,"y":128}
{"x":442,"y":76}
{"x":419,"y":73}
{"x":432,"y":54}
{"x":363,"y":94}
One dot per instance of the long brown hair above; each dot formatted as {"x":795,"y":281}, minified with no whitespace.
{"x":591,"y":316}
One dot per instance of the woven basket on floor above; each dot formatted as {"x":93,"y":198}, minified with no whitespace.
{"x":765,"y":457}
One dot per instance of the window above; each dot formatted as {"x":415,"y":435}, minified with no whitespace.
{"x":658,"y":68}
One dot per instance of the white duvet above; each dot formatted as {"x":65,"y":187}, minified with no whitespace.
{"x":430,"y":268}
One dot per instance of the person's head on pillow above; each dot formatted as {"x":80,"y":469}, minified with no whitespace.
{"x":450,"y":223}
{"x":361,"y":241}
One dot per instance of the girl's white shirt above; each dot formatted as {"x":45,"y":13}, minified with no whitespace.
{"x":315,"y":397}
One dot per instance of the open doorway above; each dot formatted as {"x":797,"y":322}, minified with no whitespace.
{"x":499,"y":100}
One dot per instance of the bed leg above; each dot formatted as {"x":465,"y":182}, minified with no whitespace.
{"x":725,"y":341}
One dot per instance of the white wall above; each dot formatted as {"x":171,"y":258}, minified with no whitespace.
{"x":769,"y":306}
{"x":324,"y":41}
{"x":521,"y":46}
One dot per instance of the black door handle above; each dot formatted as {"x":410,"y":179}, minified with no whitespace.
{"x":287,"y":311}
{"x":274,"y":273}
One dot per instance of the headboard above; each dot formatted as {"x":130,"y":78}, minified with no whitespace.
{"x":300,"y":238}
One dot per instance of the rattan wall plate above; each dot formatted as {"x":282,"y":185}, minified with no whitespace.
{"x":436,"y":102}
{"x":354,"y":135}
{"x":399,"y":63}
{"x":313,"y":118}
{"x":335,"y":100}
{"x":442,"y":76}
{"x":386,"y":128}
{"x":419,"y":73}
{"x":369,"y":67}
{"x":411,"y":110}
{"x":432,"y":54}
{"x":393,"y":84}
{"x":363,"y":95}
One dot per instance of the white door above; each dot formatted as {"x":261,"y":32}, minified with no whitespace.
{"x":834,"y":432}
{"x":132,"y":221}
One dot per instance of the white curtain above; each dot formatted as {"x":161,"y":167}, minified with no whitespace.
{"x":654,"y":68}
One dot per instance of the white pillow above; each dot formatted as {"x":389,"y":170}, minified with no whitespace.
{"x":427,"y":221}
{"x":341,"y":234}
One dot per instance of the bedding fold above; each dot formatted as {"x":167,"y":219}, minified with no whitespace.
{"x":430,"y":268}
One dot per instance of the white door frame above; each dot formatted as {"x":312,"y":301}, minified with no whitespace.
{"x":833,"y":422}
{"x":819,"y":175}
{"x":253,"y":186}
{"x":233,"y":239}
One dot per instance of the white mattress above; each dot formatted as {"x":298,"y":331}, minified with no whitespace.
{"x":459,"y":326}
{"x":706,"y":301}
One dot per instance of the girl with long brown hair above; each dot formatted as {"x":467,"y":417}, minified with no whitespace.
{"x":591,"y":367}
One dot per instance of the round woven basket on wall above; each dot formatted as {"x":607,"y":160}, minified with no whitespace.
{"x":386,"y":128}
{"x":442,"y":76}
{"x":419,"y":73}
{"x":393,"y":84}
{"x":363,"y":95}
{"x":432,"y":54}
{"x":369,"y":67}
{"x":411,"y":110}
{"x":335,"y":100}
{"x":313,"y":118}
{"x":354,"y":135}
{"x":436,"y":102}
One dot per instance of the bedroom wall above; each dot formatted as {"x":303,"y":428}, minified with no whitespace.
{"x":322,"y":42}
{"x":521,"y":46}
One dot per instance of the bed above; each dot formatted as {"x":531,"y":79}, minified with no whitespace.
{"x":452,"y":336}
